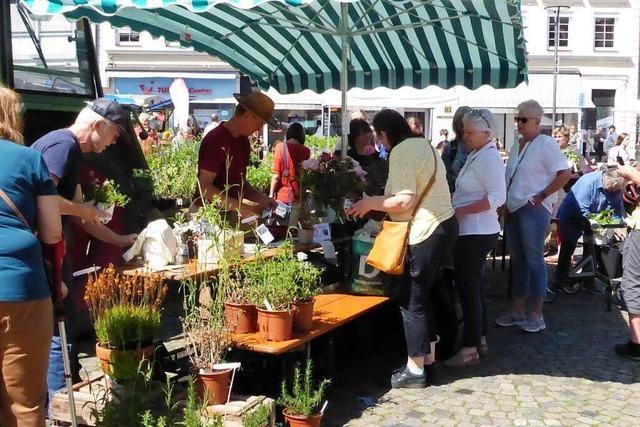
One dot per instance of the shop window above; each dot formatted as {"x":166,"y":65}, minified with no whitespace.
{"x":127,"y":38}
{"x":563,"y":31}
{"x":604,"y":31}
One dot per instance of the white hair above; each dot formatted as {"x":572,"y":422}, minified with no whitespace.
{"x":531,"y":106}
{"x":481,"y":119}
{"x":88,"y":117}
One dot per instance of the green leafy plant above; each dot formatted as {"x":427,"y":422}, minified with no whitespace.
{"x":604,"y":217}
{"x":109,"y":193}
{"x":303,"y":398}
{"x":125,"y":326}
{"x":174,"y":169}
{"x":318,"y":144}
{"x":571,"y":155}
{"x":259,"y":176}
{"x":260,"y":417}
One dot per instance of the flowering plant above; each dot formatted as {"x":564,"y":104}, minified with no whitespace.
{"x":329,"y":180}
{"x":125,"y":309}
{"x":109,"y":193}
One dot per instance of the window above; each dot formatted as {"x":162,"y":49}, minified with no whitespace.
{"x":128,"y":37}
{"x":604,"y":31}
{"x":563,"y":31}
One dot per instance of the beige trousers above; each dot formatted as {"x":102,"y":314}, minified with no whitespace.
{"x":26,"y":328}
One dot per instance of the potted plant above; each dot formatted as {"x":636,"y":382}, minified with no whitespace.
{"x":240,"y":312}
{"x":126,"y":314}
{"x":274,"y":293}
{"x":216,"y":237}
{"x":107,"y":197}
{"x":207,"y":341}
{"x":259,"y":417}
{"x":308,"y":285}
{"x":302,"y":402}
{"x":174,"y":173}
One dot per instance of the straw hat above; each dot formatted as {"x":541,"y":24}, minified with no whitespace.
{"x":259,"y":104}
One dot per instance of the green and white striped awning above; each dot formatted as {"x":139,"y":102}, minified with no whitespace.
{"x":294,"y":45}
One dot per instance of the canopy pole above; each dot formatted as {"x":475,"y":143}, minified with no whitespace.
{"x":344,"y":77}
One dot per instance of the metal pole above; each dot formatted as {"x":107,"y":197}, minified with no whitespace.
{"x":344,"y":77}
{"x":67,"y":372}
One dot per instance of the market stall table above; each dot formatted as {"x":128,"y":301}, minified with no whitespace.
{"x":330,"y":311}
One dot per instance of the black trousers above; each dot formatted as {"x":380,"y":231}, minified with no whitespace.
{"x":468,"y":266}
{"x":424,"y":262}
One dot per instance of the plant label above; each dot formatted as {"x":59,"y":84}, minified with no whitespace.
{"x":249,"y":219}
{"x":282,"y":210}
{"x":264,"y":234}
{"x":225,"y":366}
{"x":321,"y":232}
{"x":329,"y":250}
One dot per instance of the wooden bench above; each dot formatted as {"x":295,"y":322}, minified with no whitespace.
{"x":330,"y":311}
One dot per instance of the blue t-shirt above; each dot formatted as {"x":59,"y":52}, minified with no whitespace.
{"x":588,"y":196}
{"x":63,"y":158}
{"x":23,"y":177}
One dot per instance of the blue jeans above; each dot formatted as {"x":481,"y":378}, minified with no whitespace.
{"x":525,"y":230}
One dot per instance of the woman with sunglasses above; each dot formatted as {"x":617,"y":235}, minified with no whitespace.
{"x":434,"y":231}
{"x":536,"y":170}
{"x":480,"y":191}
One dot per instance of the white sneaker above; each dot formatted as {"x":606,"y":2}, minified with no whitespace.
{"x":533,"y":324}
{"x":510,"y":319}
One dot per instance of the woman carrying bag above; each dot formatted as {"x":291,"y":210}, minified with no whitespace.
{"x":416,"y":193}
{"x":28,"y":200}
{"x":286,"y":160}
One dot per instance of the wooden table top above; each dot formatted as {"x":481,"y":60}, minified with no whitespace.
{"x":329,"y":312}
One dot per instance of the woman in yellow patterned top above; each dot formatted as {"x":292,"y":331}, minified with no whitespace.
{"x":432,"y":236}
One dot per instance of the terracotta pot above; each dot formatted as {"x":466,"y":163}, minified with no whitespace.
{"x":305,"y":236}
{"x":303,"y":315}
{"x":241,"y":318}
{"x":275,"y":325}
{"x":215,"y":385}
{"x":299,"y":421}
{"x":106,"y":355}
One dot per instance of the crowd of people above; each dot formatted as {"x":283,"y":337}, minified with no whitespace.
{"x":456,"y":187}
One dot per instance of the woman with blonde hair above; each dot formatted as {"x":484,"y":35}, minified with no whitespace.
{"x":28,"y":202}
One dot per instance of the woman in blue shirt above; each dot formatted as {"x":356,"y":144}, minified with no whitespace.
{"x":26,"y":313}
{"x":592,"y":193}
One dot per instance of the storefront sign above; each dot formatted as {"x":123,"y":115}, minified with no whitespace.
{"x":200,"y":90}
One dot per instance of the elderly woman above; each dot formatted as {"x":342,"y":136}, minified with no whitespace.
{"x":480,"y":190}
{"x":454,"y":153}
{"x":592,"y":193}
{"x":434,"y":230}
{"x":536,"y":170}
{"x":28,"y":202}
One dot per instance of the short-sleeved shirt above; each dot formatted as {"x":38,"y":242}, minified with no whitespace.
{"x":297,"y":154}
{"x":23,"y":177}
{"x":62,"y":154}
{"x":411,"y":165}
{"x":227,"y":157}
{"x":532,"y":170}
{"x":589,"y":196}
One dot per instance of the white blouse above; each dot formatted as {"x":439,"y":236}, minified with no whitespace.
{"x":532,"y":170}
{"x":481,"y":176}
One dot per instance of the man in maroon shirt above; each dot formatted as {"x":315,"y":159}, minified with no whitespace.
{"x":224,"y":157}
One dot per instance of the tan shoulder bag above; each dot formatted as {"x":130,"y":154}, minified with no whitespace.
{"x":389,"y":250}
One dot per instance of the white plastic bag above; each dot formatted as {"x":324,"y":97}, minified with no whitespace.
{"x":157,"y":244}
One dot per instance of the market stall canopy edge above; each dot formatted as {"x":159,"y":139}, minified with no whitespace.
{"x":297,"y":44}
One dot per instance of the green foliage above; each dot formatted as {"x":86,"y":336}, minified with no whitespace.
{"x":604,"y":217}
{"x":281,"y":280}
{"x":319,"y":144}
{"x":109,"y":193}
{"x":260,"y":417}
{"x":572,"y":156}
{"x":259,"y":174}
{"x":303,"y":398}
{"x":121,"y":326}
{"x":174,"y":169}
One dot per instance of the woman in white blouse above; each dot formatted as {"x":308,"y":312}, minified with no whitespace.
{"x":480,"y":190}
{"x":619,"y":150}
{"x":536,"y":170}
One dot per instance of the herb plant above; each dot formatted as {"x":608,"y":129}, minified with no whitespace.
{"x":260,"y":417}
{"x":303,"y":398}
{"x":109,"y":193}
{"x":174,"y":169}
{"x":604,"y":217}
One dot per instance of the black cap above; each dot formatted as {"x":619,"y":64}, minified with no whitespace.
{"x":111,"y":111}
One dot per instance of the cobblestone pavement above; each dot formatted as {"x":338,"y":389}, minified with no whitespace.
{"x":566,"y":375}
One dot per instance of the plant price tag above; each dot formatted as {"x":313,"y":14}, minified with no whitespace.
{"x":321,"y":232}
{"x":264,"y":234}
{"x":225,"y":366}
{"x":282,"y":210}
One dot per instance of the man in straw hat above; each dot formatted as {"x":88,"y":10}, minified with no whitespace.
{"x":224,"y":157}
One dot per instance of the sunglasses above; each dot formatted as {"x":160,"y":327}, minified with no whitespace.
{"x":524,"y":120}
{"x":478,"y":113}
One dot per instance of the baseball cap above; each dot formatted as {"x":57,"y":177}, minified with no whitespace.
{"x":111,"y":111}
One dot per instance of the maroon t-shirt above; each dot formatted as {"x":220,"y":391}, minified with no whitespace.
{"x":227,"y":157}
